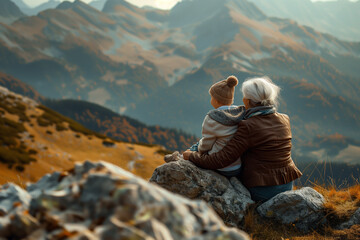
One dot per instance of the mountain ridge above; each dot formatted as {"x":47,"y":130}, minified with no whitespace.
{"x":9,"y":12}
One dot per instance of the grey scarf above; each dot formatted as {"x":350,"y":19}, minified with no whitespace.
{"x":231,"y":117}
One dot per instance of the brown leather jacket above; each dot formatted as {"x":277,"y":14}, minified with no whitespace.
{"x":264,"y":144}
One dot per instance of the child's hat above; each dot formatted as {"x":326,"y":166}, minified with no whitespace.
{"x":223,"y":91}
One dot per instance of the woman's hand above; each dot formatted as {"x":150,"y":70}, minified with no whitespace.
{"x":186,"y":154}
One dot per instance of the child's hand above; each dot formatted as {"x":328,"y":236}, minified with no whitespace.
{"x":186,"y":154}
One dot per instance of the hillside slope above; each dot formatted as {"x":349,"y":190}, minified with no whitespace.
{"x":36,"y":140}
{"x":120,"y":127}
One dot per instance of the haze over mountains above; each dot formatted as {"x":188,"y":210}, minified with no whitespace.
{"x":339,"y":18}
{"x":156,"y":66}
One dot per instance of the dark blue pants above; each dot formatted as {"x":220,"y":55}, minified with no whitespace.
{"x":264,"y":193}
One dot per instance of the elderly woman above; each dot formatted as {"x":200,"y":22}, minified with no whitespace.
{"x":263,"y":141}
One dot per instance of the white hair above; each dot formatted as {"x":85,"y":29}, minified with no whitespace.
{"x":261,"y":91}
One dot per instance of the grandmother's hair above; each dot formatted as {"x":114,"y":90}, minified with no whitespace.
{"x":261,"y":91}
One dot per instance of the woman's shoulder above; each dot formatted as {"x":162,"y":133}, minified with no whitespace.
{"x":266,"y":119}
{"x":283,"y":116}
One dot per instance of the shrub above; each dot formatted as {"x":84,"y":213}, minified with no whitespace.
{"x":20,"y":168}
{"x":163,"y":152}
{"x":107,"y":143}
{"x":15,"y":107}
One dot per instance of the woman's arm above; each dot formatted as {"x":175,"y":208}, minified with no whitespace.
{"x":229,"y":154}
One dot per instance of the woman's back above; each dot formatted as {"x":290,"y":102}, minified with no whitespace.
{"x":267,"y":160}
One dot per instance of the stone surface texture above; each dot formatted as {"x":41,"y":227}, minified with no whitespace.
{"x":229,"y":198}
{"x":300,"y":207}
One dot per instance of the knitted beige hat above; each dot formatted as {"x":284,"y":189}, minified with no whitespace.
{"x":223,"y":91}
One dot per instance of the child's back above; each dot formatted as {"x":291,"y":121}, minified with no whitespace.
{"x":221,"y":123}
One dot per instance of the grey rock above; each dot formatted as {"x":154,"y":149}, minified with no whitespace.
{"x":300,"y":207}
{"x":230,"y":199}
{"x":103,"y":201}
{"x":354,"y":220}
{"x":10,"y":196}
{"x":47,"y":183}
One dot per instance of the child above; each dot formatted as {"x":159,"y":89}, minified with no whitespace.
{"x":221,"y":123}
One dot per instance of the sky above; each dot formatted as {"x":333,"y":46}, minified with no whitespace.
{"x":162,"y":4}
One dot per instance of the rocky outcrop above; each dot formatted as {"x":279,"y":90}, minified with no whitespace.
{"x":102,"y":201}
{"x":300,"y":207}
{"x":229,"y":198}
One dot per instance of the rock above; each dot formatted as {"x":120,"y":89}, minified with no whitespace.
{"x":46,"y":183}
{"x":300,"y":207}
{"x":230,"y":199}
{"x":354,"y":220}
{"x":103,"y":201}
{"x":11,"y":197}
{"x":175,"y":156}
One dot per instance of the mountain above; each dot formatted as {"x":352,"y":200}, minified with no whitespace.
{"x":36,"y":140}
{"x":338,"y":18}
{"x":21,"y":4}
{"x":98,"y":4}
{"x":31,"y":11}
{"x":122,"y":128}
{"x":61,"y":63}
{"x":17,"y":86}
{"x":134,"y":50}
{"x":9,"y":12}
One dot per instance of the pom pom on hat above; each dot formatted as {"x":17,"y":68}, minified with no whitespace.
{"x":232,"y":81}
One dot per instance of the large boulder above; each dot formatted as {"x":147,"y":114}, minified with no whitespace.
{"x":103,"y":201}
{"x":229,"y":198}
{"x":300,"y":207}
{"x":354,"y":220}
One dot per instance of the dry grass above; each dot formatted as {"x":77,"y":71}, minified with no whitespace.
{"x":262,"y":229}
{"x":339,"y":204}
{"x":339,"y":207}
{"x":60,"y":151}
